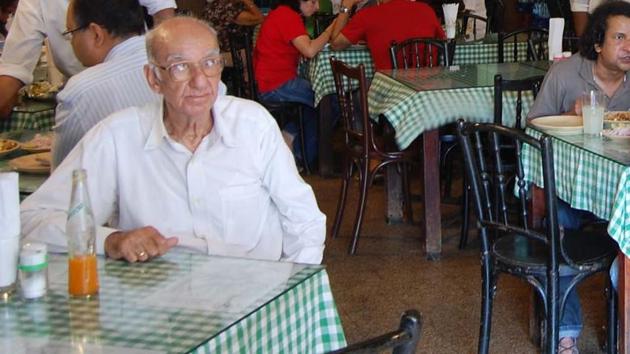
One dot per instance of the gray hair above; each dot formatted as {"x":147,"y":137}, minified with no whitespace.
{"x":156,"y":31}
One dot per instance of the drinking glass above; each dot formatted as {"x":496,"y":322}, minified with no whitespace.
{"x":593,"y":107}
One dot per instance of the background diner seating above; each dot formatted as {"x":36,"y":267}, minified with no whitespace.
{"x":536,"y":44}
{"x":361,"y":146}
{"x":475,"y":21}
{"x":509,"y":245}
{"x":244,"y":85}
{"x":501,"y":87}
{"x":404,"y":340}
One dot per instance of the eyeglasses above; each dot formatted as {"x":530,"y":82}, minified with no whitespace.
{"x":183,"y":71}
{"x":68,"y":34}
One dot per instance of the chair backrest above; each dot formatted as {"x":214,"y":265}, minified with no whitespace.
{"x":571,"y":43}
{"x":519,"y":86}
{"x":476,"y":20}
{"x":350,"y":82}
{"x":404,"y":340}
{"x":244,"y":82}
{"x":488,"y":177}
{"x":421,"y":52}
{"x":536,"y":39}
{"x":321,"y":22}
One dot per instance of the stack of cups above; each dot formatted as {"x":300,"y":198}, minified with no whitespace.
{"x":9,"y":231}
{"x":450,"y":19}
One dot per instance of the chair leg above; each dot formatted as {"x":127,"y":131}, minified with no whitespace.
{"x":487,"y":295}
{"x":365,"y":179}
{"x":343,"y":195}
{"x":613,"y":326}
{"x":404,"y":169}
{"x":307,"y":168}
{"x":463,"y":238}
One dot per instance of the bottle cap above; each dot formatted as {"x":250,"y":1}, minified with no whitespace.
{"x":33,"y":257}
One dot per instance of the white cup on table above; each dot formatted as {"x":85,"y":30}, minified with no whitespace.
{"x":450,"y":19}
{"x":593,"y":107}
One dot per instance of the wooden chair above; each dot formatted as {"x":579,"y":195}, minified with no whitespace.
{"x":420,"y":52}
{"x":509,"y":245}
{"x":468,"y":17}
{"x":404,"y":340}
{"x":244,"y":85}
{"x":501,"y":86}
{"x":536,"y":39}
{"x":361,"y":145}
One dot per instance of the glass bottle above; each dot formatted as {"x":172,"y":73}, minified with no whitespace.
{"x":82,"y":274}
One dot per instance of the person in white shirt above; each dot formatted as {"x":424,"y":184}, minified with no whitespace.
{"x":198,"y":170}
{"x":107,"y":38}
{"x":34,"y":21}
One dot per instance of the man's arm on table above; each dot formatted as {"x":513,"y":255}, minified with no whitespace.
{"x":9,"y":88}
{"x":44,"y":213}
{"x":337,"y":40}
{"x":304,"y":225}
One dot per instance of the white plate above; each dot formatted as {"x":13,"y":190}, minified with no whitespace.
{"x":559,"y":125}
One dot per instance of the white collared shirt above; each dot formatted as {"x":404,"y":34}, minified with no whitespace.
{"x":98,"y":91}
{"x":35,"y":20}
{"x":238,"y":194}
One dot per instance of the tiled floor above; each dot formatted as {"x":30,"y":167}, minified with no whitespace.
{"x":390,"y":274}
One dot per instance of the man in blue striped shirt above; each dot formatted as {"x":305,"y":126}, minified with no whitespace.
{"x":107,"y":38}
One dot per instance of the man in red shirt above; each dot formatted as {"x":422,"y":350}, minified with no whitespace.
{"x":392,"y":20}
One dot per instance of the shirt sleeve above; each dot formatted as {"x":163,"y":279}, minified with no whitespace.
{"x":354,"y":31}
{"x":292,"y":27}
{"x":154,"y":6}
{"x":43,"y":213}
{"x":304,"y":225}
{"x":23,"y":45}
{"x":549,"y":98}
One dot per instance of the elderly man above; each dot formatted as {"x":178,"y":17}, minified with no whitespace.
{"x":602,"y":65}
{"x":197,"y":170}
{"x":34,"y":21}
{"x":391,"y":20}
{"x":106,"y":37}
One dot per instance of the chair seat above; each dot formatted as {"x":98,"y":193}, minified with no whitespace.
{"x":589,"y":249}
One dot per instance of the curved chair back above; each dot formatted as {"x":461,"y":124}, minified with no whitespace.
{"x":476,"y":21}
{"x":502,"y":86}
{"x":404,"y":340}
{"x":420,"y":52}
{"x":536,"y":39}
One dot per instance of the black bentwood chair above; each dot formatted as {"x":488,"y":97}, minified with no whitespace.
{"x":244,"y":85}
{"x":501,"y":87}
{"x":361,"y":145}
{"x":509,"y":245}
{"x":404,"y":340}
{"x":467,"y":18}
{"x":536,"y":44}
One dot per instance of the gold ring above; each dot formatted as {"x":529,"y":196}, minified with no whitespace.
{"x":142,"y":254}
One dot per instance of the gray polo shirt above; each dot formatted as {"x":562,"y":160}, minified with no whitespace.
{"x":564,"y":84}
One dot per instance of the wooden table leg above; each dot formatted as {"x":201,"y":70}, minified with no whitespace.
{"x":623,"y":288}
{"x":431,"y":180}
{"x":325,"y":137}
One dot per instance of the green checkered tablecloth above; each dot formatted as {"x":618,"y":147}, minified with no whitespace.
{"x":181,"y":303}
{"x":592,"y":173}
{"x":419,"y":100}
{"x":31,"y":115}
{"x":320,"y":72}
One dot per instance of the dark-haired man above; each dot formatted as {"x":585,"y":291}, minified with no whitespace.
{"x":602,"y":65}
{"x":107,"y":37}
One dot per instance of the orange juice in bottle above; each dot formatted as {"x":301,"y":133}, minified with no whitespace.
{"x":82,"y":269}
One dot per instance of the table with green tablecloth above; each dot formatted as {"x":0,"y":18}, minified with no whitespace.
{"x":180,"y":303}
{"x":321,"y":78}
{"x":29,"y":182}
{"x":593,"y":173}
{"x":418,"y":101}
{"x":30,"y":115}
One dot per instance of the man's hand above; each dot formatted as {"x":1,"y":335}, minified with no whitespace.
{"x":9,"y":87}
{"x":138,"y":245}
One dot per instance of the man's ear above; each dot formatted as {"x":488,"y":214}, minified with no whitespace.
{"x":598,"y":48}
{"x":99,"y":34}
{"x":153,"y":78}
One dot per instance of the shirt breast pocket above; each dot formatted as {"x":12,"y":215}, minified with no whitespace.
{"x":243,"y":214}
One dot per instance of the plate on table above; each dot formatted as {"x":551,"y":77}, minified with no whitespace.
{"x":617,"y":117}
{"x":39,"y":143}
{"x":7,"y":146}
{"x":559,"y":125}
{"x":41,"y":91}
{"x":34,"y":163}
{"x":619,"y":134}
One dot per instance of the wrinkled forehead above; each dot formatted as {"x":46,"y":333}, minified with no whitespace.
{"x":191,"y":46}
